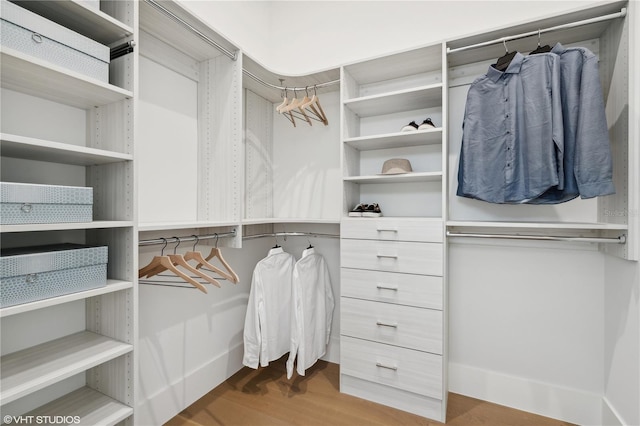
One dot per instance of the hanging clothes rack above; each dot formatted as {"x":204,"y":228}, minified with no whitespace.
{"x":289,"y":234}
{"x":621,"y":14}
{"x":622,"y":239}
{"x":232,"y":55}
{"x":159,"y":241}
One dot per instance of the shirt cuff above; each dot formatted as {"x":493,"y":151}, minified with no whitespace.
{"x":596,"y":189}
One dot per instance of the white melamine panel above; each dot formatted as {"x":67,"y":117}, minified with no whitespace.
{"x":404,"y":289}
{"x":395,"y":139}
{"x":398,"y":325}
{"x":396,"y":101}
{"x":393,"y":229}
{"x":167,"y":145}
{"x":391,"y":256}
{"x":423,"y":159}
{"x":395,"y":121}
{"x":306,"y":165}
{"x":400,"y":368}
{"x":400,"y":178}
{"x":32,"y":369}
{"x":41,"y":172}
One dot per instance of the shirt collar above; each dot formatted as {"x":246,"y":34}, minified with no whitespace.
{"x":513,"y":68}
{"x":558,"y":49}
{"x":276,"y":250}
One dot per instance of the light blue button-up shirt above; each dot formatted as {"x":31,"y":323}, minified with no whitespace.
{"x":588,"y":167}
{"x":512,"y":144}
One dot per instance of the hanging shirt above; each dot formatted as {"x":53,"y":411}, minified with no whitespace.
{"x":512,"y":144}
{"x":312,"y":311}
{"x":588,"y":168}
{"x":267,"y":329}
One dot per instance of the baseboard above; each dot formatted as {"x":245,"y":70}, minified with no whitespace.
{"x":610,"y":416}
{"x":160,"y":407}
{"x":545,"y":399}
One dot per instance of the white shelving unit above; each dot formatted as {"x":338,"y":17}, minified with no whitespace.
{"x":87,"y":140}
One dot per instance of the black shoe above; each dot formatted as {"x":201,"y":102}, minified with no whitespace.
{"x":426,"y":124}
{"x":358,"y":210}
{"x":372,"y":210}
{"x":410,"y":127}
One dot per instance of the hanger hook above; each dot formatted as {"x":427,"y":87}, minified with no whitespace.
{"x":315,"y":89}
{"x":163,"y":247}
{"x":306,"y":89}
{"x":504,"y":41}
{"x":196,"y":242}
{"x":217,"y":238}
{"x":538,"y":37}
{"x":177,"y":245}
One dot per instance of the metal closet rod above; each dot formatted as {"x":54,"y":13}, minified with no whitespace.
{"x":289,"y":234}
{"x":158,"y":241}
{"x":225,"y":51}
{"x":621,"y":14}
{"x":622,"y":239}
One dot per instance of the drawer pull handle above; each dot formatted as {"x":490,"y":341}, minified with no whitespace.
{"x":388,"y":367}
{"x":388,"y":256}
{"x":385,"y":287}
{"x":387,"y":230}
{"x":36,"y":37}
{"x":26,"y":208}
{"x":386,"y":324}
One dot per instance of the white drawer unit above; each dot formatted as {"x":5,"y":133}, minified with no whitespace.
{"x":392,"y":287}
{"x":404,"y":326}
{"x":393,"y":256}
{"x":394,"y":229}
{"x":414,"y":371}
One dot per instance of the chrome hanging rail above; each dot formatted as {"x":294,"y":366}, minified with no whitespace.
{"x":622,"y":239}
{"x":621,"y":14}
{"x":158,"y":241}
{"x":227,"y":52}
{"x":289,"y":234}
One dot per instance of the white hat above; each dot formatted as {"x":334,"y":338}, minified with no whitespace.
{"x":396,"y":166}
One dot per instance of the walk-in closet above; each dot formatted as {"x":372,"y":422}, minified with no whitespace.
{"x":222,"y":212}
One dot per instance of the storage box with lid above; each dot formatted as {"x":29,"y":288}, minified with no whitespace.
{"x":34,"y":35}
{"x":36,"y":273}
{"x":25,"y":203}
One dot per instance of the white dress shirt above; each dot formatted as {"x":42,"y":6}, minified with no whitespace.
{"x":267,"y":330}
{"x":312,"y":311}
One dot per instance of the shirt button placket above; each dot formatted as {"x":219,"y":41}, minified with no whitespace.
{"x":509,"y":135}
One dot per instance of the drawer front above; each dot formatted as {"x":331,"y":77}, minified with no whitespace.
{"x":392,"y":256}
{"x":404,"y":289}
{"x":393,"y":229}
{"x":406,"y":369}
{"x":404,"y":326}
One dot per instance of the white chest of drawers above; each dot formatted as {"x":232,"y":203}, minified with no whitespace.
{"x":392,"y":320}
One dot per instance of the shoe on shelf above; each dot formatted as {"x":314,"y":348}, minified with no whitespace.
{"x":410,"y":127}
{"x":358,"y":210}
{"x":426,"y":124}
{"x":372,"y":210}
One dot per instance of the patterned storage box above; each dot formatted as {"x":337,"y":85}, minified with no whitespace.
{"x":22,"y":203}
{"x":29,"y":33}
{"x":36,"y":273}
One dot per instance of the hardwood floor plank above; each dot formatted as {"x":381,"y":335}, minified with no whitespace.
{"x":265,"y":397}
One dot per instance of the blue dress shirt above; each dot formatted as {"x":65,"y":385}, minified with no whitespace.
{"x":513,"y":142}
{"x":588,"y":167}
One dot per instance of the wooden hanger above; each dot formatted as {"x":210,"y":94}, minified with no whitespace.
{"x":215,"y":252}
{"x":179,"y":260}
{"x":203,"y":263}
{"x":313,"y":103}
{"x":164,"y":263}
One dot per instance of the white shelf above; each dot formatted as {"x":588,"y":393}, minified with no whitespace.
{"x":32,"y":369}
{"x":398,"y":101}
{"x":266,"y":220}
{"x":162,"y":226}
{"x":403,"y":178}
{"x":396,"y":140}
{"x":538,"y":225}
{"x":33,"y":76}
{"x":99,"y":224}
{"x":43,"y":150}
{"x":93,"y":408}
{"x":80,"y":18}
{"x":112,"y":286}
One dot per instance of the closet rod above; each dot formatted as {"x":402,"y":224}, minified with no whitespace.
{"x":176,"y":18}
{"x":230,"y":54}
{"x":158,"y":241}
{"x":621,"y":14}
{"x":289,"y":234}
{"x":622,"y":239}
{"x":273,"y":86}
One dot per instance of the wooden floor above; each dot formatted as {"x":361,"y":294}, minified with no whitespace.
{"x":265,"y":397}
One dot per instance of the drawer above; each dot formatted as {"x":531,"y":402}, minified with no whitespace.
{"x":393,"y":229}
{"x":404,"y":289}
{"x":392,"y":256}
{"x":399,"y":325}
{"x":406,"y":369}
